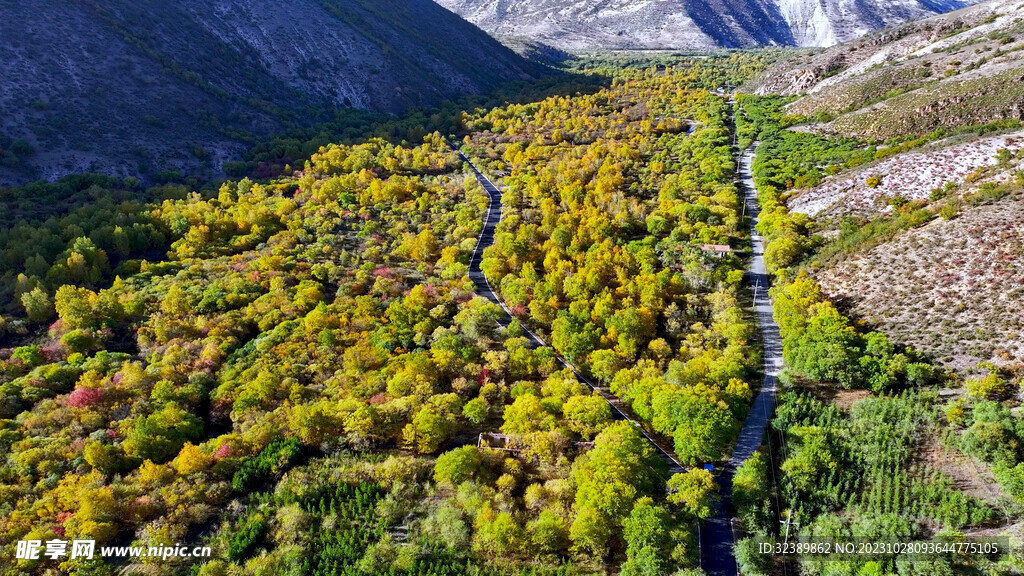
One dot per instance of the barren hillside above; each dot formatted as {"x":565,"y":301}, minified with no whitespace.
{"x":912,"y":175}
{"x":953,"y":289}
{"x":951,"y":286}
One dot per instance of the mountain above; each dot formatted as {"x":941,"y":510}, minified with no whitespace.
{"x":957,"y":69}
{"x":924,"y":234}
{"x":681,"y":24}
{"x":125,"y":87}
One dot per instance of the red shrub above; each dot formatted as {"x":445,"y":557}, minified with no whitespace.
{"x":223,"y":451}
{"x":85,"y":397}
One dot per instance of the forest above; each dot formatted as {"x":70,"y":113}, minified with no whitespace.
{"x":601,"y":247}
{"x":296,"y":371}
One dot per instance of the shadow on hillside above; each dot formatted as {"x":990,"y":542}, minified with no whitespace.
{"x":268,"y":158}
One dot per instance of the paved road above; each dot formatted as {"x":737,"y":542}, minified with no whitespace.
{"x":619,"y":410}
{"x":717,"y":535}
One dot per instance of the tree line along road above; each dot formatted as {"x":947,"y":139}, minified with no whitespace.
{"x":716,"y":538}
{"x":483,"y":288}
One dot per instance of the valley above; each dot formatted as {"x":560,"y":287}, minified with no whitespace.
{"x":324,"y":325}
{"x":356,"y":289}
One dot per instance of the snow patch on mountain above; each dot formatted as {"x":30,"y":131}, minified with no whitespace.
{"x":578,"y":25}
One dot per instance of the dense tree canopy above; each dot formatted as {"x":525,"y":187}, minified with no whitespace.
{"x":301,"y":365}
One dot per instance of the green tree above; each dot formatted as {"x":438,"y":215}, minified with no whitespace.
{"x":750,"y":492}
{"x":592,"y":531}
{"x":782,"y":253}
{"x":648,"y":561}
{"x":428,"y":430}
{"x":700,"y":426}
{"x":160,"y":436}
{"x":621,"y":468}
{"x":500,"y":535}
{"x":475,"y":411}
{"x":30,"y":356}
{"x":447,"y":526}
{"x":605,"y":364}
{"x":457,"y":466}
{"x":647,"y":526}
{"x":750,"y":560}
{"x":38,"y":306}
{"x":78,"y":341}
{"x":828,"y":349}
{"x":695,"y":492}
{"x":548,"y":533}
{"x":527,"y":414}
{"x":574,"y":338}
{"x":75,"y":306}
{"x":587,"y":415}
{"x":814,"y":456}
{"x":317,"y":422}
{"x":105,"y":458}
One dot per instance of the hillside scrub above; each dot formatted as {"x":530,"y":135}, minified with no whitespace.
{"x":848,"y":469}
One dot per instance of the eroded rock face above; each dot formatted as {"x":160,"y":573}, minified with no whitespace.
{"x":630,"y":24}
{"x":801,"y":80}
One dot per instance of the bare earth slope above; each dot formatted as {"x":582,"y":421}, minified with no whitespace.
{"x":669,"y":24}
{"x":952,"y":285}
{"x":912,"y":176}
{"x":118,"y":86}
{"x":953,"y":289}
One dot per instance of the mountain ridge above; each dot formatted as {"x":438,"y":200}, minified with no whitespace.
{"x":582,"y":25}
{"x":121,"y":87}
{"x":947,"y":71}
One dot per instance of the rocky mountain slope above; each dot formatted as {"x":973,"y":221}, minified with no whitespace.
{"x":669,"y":24}
{"x":125,"y":87}
{"x":962,"y":68}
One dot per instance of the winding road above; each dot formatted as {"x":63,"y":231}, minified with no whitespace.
{"x":716,"y":538}
{"x":483,"y":288}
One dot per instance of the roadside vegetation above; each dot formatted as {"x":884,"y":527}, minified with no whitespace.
{"x":854,"y":444}
{"x":611,"y":202}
